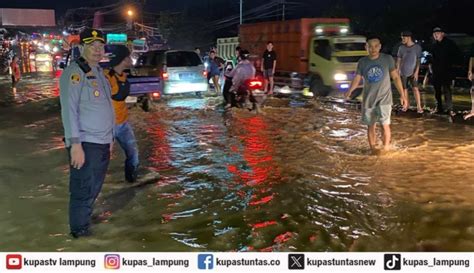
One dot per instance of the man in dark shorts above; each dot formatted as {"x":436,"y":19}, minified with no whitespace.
{"x":268,"y":67}
{"x":408,"y":64}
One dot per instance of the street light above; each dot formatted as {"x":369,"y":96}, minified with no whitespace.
{"x":130,"y":14}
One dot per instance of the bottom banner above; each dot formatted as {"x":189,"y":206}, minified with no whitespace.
{"x":236,"y":262}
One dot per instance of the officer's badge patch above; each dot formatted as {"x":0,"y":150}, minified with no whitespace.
{"x":96,"y":93}
{"x":75,"y":78}
{"x":94,"y":84}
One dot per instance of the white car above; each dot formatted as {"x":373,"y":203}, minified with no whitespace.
{"x":181,"y":71}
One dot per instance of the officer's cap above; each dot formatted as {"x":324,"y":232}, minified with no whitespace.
{"x":90,"y":35}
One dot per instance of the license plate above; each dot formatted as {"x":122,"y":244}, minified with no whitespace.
{"x":131,"y":99}
{"x":185,"y":76}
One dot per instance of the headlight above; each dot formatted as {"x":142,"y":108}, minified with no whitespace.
{"x":340,"y":77}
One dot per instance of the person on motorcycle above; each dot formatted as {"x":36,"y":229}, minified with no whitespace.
{"x":228,"y":80}
{"x":242,"y":72}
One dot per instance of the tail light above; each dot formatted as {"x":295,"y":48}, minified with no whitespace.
{"x":156,"y":95}
{"x":164,"y":73}
{"x":255,"y":84}
{"x":204,"y":74}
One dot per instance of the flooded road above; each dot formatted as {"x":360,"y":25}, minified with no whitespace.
{"x":298,"y":177}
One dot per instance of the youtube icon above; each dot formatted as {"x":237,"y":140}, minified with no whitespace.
{"x":14,"y":261}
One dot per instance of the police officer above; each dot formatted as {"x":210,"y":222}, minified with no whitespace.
{"x":88,"y":121}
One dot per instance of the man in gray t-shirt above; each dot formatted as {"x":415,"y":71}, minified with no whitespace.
{"x":376,"y":70}
{"x":408,"y":64}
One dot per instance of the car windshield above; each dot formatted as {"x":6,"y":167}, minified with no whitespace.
{"x":349,"y":47}
{"x":182,"y":58}
{"x":141,"y":60}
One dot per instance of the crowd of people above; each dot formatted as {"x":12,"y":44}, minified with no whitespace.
{"x":238,"y":71}
{"x":377,"y":68}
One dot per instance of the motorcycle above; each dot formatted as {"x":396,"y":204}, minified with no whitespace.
{"x":250,"y":95}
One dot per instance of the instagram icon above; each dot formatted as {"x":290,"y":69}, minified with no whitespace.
{"x":112,"y":261}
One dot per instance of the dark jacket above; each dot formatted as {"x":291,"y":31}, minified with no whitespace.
{"x":445,"y":55}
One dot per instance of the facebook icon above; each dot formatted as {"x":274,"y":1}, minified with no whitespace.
{"x":205,"y":261}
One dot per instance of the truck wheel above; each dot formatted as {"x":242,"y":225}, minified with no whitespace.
{"x":318,"y":89}
{"x":147,"y":105}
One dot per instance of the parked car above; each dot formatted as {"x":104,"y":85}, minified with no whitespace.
{"x":180,"y":71}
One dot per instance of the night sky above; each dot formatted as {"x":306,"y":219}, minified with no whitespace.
{"x":392,"y":15}
{"x":310,"y":6}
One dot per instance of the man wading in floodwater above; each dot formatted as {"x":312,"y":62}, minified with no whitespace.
{"x":376,"y":69}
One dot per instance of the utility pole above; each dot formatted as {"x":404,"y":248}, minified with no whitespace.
{"x":143,"y":2}
{"x":283,"y":11}
{"x":142,"y":8}
{"x":241,"y":11}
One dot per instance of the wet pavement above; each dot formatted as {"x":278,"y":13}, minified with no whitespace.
{"x":298,"y":177}
{"x":31,"y":88}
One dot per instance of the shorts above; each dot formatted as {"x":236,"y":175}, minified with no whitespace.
{"x":214,"y":73}
{"x":409,"y":80}
{"x":14,"y":82}
{"x":378,"y":114}
{"x":267,"y":73}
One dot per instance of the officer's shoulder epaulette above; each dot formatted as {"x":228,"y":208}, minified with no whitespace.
{"x":83,"y":65}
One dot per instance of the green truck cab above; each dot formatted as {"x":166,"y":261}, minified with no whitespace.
{"x":333,"y":61}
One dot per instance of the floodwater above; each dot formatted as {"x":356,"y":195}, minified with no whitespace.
{"x":298,"y":177}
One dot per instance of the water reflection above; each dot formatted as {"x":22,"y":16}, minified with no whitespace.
{"x":258,"y":172}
